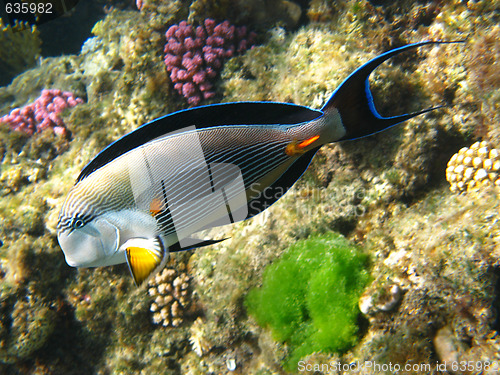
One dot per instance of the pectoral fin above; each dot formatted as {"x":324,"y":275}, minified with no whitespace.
{"x":145,"y":257}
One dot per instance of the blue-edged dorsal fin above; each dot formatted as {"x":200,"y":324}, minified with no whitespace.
{"x":354,"y":101}
{"x":224,"y":114}
{"x":145,"y":257}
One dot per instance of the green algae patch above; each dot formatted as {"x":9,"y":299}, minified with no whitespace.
{"x":309,"y":297}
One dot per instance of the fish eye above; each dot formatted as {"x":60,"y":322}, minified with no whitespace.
{"x":77,"y":223}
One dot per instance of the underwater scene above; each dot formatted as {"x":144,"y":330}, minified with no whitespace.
{"x":356,"y":226}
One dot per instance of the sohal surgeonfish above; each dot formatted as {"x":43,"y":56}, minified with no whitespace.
{"x":146,"y":194}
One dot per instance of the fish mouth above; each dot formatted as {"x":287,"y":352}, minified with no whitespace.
{"x":91,"y":246}
{"x":72,"y":263}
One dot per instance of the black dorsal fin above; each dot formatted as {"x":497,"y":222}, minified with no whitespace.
{"x":224,"y":114}
{"x":354,"y":101}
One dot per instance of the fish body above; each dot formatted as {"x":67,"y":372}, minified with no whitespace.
{"x":175,"y":185}
{"x":146,"y":194}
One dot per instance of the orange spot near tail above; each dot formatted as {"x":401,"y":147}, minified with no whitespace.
{"x":294,"y":148}
{"x":307,"y":142}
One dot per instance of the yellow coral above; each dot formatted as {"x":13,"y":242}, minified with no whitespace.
{"x":474,"y":167}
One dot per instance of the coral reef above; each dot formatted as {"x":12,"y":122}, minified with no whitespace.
{"x":309,"y":297}
{"x":434,"y":254}
{"x":170,"y":290}
{"x":30,"y":287}
{"x":474,"y":167}
{"x":438,"y":253}
{"x":260,"y":14}
{"x":484,"y":81}
{"x":124,"y":75}
{"x":195,"y":56}
{"x":43,"y":113}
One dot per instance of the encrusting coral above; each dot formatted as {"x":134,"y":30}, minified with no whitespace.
{"x":474,"y":167}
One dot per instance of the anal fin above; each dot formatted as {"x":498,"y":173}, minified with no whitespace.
{"x":196,"y":243}
{"x":145,"y":257}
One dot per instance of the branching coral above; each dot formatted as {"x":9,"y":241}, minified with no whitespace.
{"x":43,"y":113}
{"x":171,"y":293}
{"x":194,"y":56}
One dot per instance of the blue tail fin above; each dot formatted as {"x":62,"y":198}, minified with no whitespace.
{"x":354,"y":100}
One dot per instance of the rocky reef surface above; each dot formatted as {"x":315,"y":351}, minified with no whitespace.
{"x":433,"y":255}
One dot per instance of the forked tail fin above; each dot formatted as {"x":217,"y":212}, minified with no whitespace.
{"x":354,"y":100}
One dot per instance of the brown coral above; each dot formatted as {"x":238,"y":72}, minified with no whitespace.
{"x":172,"y":297}
{"x":474,"y":167}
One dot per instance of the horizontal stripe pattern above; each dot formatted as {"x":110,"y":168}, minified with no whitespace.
{"x":168,"y":171}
